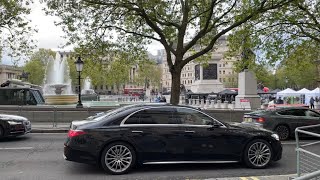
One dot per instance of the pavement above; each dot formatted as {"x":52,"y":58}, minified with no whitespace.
{"x":43,"y":127}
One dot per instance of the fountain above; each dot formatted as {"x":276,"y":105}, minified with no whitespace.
{"x":57,"y":83}
{"x":87,"y":93}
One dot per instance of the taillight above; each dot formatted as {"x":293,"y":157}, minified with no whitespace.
{"x":261,"y":120}
{"x":74,"y":133}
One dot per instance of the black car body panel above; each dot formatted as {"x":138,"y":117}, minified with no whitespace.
{"x":291,"y":117}
{"x":157,"y":142}
{"x":14,"y":125}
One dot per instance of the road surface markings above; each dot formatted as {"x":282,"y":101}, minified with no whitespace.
{"x":249,"y":178}
{"x":16,"y":148}
{"x":254,"y":178}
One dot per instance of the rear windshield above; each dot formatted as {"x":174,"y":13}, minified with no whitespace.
{"x":111,"y":113}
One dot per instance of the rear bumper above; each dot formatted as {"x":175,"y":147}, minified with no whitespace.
{"x":71,"y":154}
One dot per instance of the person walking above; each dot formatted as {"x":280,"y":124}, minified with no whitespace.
{"x":311,"y":103}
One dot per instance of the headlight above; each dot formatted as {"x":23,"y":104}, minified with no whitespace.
{"x":275,"y":136}
{"x":14,"y":122}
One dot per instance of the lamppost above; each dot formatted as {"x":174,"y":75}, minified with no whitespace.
{"x":79,"y":65}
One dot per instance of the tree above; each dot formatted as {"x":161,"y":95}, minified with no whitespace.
{"x":149,"y":74}
{"x":37,"y":64}
{"x":43,"y":55}
{"x":14,"y":28}
{"x":168,"y":22}
{"x":36,"y":71}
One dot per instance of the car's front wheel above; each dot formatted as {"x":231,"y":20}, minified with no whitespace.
{"x":118,"y":158}
{"x":258,"y":154}
{"x":283,"y":132}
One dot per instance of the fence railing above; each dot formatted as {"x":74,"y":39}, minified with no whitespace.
{"x":308,"y":155}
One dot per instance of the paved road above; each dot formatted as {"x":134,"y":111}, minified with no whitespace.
{"x":39,"y":156}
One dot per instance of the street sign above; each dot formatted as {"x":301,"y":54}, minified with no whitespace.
{"x":244,"y":100}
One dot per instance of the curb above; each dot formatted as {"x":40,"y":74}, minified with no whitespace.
{"x":49,"y":131}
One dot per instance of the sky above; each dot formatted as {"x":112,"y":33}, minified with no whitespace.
{"x":49,"y":35}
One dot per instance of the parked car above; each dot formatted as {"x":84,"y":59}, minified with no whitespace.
{"x":12,"y":125}
{"x":283,"y":121}
{"x":163,"y":133}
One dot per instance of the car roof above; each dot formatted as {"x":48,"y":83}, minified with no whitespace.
{"x":146,"y":105}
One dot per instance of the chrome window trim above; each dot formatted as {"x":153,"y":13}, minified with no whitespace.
{"x":122,"y":124}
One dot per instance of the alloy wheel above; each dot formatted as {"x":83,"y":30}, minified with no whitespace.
{"x":259,"y":154}
{"x":118,"y":158}
{"x":283,"y":132}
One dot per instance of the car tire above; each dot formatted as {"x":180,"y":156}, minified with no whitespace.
{"x":283,"y":132}
{"x":258,"y":154}
{"x":118,"y":158}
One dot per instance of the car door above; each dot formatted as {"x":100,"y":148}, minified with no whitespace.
{"x":206,"y":138}
{"x":155,"y":134}
{"x":290,"y":117}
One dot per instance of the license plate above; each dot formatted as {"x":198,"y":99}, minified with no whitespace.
{"x":247,"y":119}
{"x":18,"y":127}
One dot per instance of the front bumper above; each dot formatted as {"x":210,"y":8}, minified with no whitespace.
{"x":277,"y":150}
{"x":20,"y":129}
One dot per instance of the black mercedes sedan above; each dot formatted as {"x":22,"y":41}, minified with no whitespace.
{"x":12,"y":125}
{"x":164,"y":133}
{"x":283,"y":121}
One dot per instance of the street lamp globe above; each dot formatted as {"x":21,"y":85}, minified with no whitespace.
{"x":79,"y":64}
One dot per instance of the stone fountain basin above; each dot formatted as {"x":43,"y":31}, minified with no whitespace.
{"x":61,"y":99}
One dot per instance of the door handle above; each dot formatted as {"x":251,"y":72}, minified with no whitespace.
{"x":189,"y":131}
{"x":137,"y":131}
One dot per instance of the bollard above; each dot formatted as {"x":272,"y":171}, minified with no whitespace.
{"x":207,"y":104}
{"x":233,"y":105}
{"x":225,"y":105}
{"x":202,"y":103}
{"x":218,"y":104}
{"x":212,"y":104}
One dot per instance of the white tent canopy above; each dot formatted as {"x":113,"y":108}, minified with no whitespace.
{"x":303,"y":91}
{"x":314,"y":93}
{"x":287,"y":92}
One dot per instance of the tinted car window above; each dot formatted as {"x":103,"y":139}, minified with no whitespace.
{"x":293,"y":112}
{"x":311,"y":114}
{"x":192,"y":117}
{"x":152,"y":116}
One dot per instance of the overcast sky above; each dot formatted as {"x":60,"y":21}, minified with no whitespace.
{"x":49,"y":35}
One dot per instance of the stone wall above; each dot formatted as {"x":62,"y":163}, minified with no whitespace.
{"x":68,"y":114}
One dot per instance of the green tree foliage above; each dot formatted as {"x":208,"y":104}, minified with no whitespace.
{"x":180,"y":26}
{"x":278,"y":32}
{"x":15,"y":29}
{"x":37,"y":64}
{"x":36,"y":70}
{"x":149,"y":74}
{"x":300,"y":67}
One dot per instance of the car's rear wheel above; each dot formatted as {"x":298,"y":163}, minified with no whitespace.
{"x":118,"y":158}
{"x":283,"y":132}
{"x":258,"y":154}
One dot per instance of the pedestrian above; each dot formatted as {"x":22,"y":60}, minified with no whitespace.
{"x":311,"y":103}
